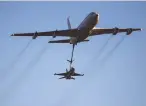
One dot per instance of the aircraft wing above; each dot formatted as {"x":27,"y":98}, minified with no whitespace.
{"x":114,"y":31}
{"x":61,"y":74}
{"x":76,"y":74}
{"x":66,"y":33}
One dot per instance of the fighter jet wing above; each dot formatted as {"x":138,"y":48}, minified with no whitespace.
{"x":76,"y":74}
{"x":114,"y":31}
{"x":61,"y":74}
{"x":66,"y":33}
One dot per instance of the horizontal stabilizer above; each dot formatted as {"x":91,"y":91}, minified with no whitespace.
{"x":60,"y":41}
{"x":61,"y":77}
{"x":64,"y":41}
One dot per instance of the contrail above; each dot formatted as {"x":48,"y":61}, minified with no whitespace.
{"x":24,"y":48}
{"x":12,"y":64}
{"x":103,"y":47}
{"x":26,"y":71}
{"x":100,"y":63}
{"x":112,"y":51}
{"x":100,"y":52}
{"x":20,"y":54}
{"x":37,"y":58}
{"x":103,"y":61}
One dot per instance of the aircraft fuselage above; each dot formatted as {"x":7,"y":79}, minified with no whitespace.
{"x":85,"y":27}
{"x":70,"y":73}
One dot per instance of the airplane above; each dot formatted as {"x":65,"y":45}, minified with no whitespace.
{"x":80,"y":34}
{"x":68,"y":74}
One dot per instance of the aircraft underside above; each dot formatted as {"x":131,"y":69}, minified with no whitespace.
{"x":79,"y":34}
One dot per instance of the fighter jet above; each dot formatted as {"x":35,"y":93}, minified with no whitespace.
{"x":68,"y":74}
{"x":80,"y":34}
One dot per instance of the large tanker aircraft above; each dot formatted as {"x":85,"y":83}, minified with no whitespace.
{"x":80,"y":34}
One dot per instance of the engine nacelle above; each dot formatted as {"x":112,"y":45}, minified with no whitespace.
{"x":35,"y":35}
{"x":115,"y":30}
{"x":129,"y":31}
{"x":54,"y":34}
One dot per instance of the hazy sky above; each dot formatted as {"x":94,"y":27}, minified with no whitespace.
{"x":26,"y":78}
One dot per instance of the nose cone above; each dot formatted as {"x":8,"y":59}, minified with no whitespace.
{"x":96,"y":14}
{"x":96,"y":17}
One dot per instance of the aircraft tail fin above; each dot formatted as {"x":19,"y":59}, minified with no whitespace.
{"x":68,"y":23}
{"x":64,"y":41}
{"x":66,"y":70}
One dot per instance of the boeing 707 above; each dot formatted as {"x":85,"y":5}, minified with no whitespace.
{"x":80,"y":34}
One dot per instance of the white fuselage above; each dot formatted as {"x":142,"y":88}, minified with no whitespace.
{"x":85,"y":27}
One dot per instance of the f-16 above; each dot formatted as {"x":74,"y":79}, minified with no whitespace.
{"x":69,"y":74}
{"x":80,"y":34}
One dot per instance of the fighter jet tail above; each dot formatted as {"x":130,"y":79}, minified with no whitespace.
{"x":66,"y":70}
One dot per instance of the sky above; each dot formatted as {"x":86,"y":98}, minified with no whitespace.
{"x":27,"y":66}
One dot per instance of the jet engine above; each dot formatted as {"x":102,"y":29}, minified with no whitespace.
{"x":129,"y":31}
{"x":54,"y":35}
{"x":115,"y":30}
{"x":35,"y":35}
